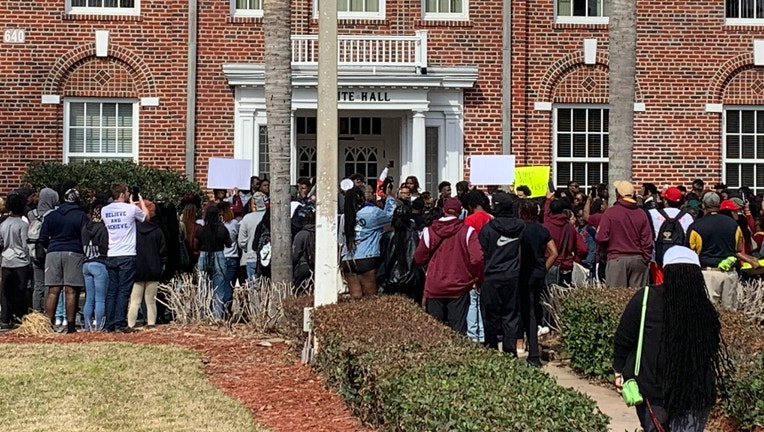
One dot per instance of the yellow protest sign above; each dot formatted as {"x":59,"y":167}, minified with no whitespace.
{"x":535,"y":177}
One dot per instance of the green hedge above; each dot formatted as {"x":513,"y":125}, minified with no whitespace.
{"x":590,"y":316}
{"x":400,"y":370}
{"x":94,"y":176}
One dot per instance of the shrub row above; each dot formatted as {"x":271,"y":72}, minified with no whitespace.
{"x":400,"y":370}
{"x":590,"y":316}
{"x":95,"y":176}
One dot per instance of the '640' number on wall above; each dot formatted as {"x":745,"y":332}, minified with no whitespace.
{"x":15,"y":36}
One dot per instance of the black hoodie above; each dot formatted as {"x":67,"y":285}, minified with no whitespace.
{"x":95,"y":241}
{"x":500,"y":240}
{"x":151,"y":252}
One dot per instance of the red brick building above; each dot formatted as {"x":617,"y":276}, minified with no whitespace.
{"x":700,"y":90}
{"x":420,"y":83}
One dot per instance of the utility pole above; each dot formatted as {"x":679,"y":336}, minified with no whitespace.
{"x":327,"y":272}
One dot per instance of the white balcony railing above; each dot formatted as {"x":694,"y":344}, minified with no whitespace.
{"x":366,"y":50}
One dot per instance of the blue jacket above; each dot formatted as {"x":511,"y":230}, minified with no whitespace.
{"x":369,"y":222}
{"x":61,"y":229}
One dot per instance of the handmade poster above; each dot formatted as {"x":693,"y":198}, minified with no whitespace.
{"x":535,"y":177}
{"x":492,"y":170}
{"x":227,"y":173}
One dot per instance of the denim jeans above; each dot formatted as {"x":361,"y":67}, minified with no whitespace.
{"x":60,"y":313}
{"x":229,"y":279}
{"x":121,"y":279}
{"x":474,"y":320}
{"x":214,"y":265}
{"x":252,"y":270}
{"x":96,"y":285}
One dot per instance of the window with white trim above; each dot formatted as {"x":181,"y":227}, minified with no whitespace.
{"x":582,"y":11}
{"x":264,"y":165}
{"x":744,"y":12}
{"x":446,"y":9}
{"x":359,"y":9}
{"x":96,"y":129}
{"x":581,"y":144}
{"x":247,"y":8}
{"x":103,"y":7}
{"x":744,"y":147}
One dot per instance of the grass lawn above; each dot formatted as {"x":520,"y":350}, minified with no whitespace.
{"x":112,"y":387}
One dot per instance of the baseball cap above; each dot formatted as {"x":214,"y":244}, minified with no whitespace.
{"x":672,"y":194}
{"x":739,"y":201}
{"x":624,"y":188}
{"x":680,"y":255}
{"x":452,"y":206}
{"x":728,"y":205}
{"x":711,"y":200}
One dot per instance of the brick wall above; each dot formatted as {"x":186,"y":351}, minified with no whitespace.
{"x":149,"y":58}
{"x":686,"y":58}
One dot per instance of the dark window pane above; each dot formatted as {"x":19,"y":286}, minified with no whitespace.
{"x":563,"y":119}
{"x":760,"y":147}
{"x":562,"y":173}
{"x":732,"y":9}
{"x":746,"y":8}
{"x":595,"y":146}
{"x":579,"y":120}
{"x":349,"y":169}
{"x":355,"y":125}
{"x":579,"y":7}
{"x":376,"y":126}
{"x":605,"y":120}
{"x":579,"y":172}
{"x":366,"y":126}
{"x":733,"y":146}
{"x":733,"y":121}
{"x":749,"y":122}
{"x":310,"y":127}
{"x":604,"y":172}
{"x":344,"y":127}
{"x":749,"y":149}
{"x":759,"y":175}
{"x":300,"y":125}
{"x":732,"y":176}
{"x":579,"y":145}
{"x":760,"y":9}
{"x":605,"y":145}
{"x":746,"y":175}
{"x":595,"y":120}
{"x":594,"y":176}
{"x":563,"y":145}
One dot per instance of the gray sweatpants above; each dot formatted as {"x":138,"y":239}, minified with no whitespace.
{"x":627,"y":272}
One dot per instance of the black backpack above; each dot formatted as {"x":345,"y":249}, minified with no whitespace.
{"x":671,"y":233}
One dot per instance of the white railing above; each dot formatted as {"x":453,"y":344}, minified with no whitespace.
{"x":366,"y":50}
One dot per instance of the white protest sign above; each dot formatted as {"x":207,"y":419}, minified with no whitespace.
{"x":226,"y":173}
{"x":492,"y":170}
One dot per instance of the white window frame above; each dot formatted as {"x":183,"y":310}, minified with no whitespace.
{"x":464,"y":15}
{"x":357,"y":15}
{"x":556,"y":159}
{"x":741,"y":160}
{"x":85,"y":10}
{"x":67,"y":154}
{"x":742,"y":21}
{"x":570,"y":19}
{"x":253,"y":13}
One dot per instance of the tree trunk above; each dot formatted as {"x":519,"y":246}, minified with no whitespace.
{"x":277,"y":25}
{"x":622,"y":43}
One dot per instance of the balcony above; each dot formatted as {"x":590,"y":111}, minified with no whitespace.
{"x":366,"y":50}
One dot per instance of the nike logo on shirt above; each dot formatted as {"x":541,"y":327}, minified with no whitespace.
{"x":503,"y":241}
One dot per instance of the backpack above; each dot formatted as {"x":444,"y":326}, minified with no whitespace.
{"x":671,"y":233}
{"x":264,"y":246}
{"x":35,"y":226}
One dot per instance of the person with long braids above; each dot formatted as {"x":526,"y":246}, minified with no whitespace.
{"x":683,"y":355}
{"x":362,"y":231}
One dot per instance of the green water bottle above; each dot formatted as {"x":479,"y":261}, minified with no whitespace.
{"x":727,"y":263}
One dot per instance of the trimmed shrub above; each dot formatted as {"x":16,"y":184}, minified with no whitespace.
{"x":589,"y":318}
{"x":745,"y":401}
{"x":400,"y":370}
{"x":93,"y":177}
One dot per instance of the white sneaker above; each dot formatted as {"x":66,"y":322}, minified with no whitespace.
{"x":59,"y":322}
{"x":543,"y":330}
{"x":64,"y":322}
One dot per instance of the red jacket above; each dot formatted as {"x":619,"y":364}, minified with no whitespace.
{"x":453,"y":256}
{"x":625,"y":231}
{"x":576,"y":246}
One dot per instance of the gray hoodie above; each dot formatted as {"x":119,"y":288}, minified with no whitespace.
{"x":48,"y":201}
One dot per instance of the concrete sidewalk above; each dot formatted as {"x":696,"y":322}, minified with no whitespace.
{"x":622,"y":418}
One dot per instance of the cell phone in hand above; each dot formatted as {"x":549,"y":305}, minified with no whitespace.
{"x":550,"y":185}
{"x":135,"y":193}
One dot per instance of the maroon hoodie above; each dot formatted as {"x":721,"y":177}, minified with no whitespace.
{"x":453,"y":256}
{"x":557,"y":224}
{"x":625,"y":231}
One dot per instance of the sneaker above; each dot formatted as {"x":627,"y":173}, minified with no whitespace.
{"x":59,"y":321}
{"x":543,"y":330}
{"x":64,"y":322}
{"x":535,"y":363}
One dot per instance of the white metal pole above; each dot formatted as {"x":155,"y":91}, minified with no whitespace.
{"x":327,"y":274}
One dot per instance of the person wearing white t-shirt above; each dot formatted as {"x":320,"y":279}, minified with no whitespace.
{"x":120,"y":217}
{"x":673,"y":199}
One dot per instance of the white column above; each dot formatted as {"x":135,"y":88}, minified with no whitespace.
{"x":454,"y":144}
{"x":293,"y":151}
{"x":418,"y":147}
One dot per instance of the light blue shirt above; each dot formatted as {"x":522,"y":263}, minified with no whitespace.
{"x":369,"y":223}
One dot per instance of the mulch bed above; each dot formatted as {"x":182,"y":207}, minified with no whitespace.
{"x":281,"y":393}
